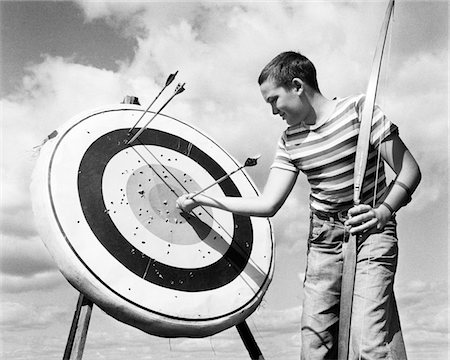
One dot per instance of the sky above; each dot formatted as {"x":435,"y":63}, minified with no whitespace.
{"x":59,"y":59}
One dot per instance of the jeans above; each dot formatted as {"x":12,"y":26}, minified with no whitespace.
{"x":375,"y":325}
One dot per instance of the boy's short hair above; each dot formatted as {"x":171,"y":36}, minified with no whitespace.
{"x":287,"y":66}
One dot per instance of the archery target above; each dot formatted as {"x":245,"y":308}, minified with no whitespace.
{"x":106,"y":211}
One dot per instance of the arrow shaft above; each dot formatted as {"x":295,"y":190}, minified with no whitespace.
{"x":148,"y":122}
{"x":168,"y":82}
{"x":217,"y":182}
{"x":146,"y":110}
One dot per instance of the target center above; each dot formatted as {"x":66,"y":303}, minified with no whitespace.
{"x":152,"y":192}
{"x":163,"y":203}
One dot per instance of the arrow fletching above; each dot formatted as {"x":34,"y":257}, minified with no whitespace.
{"x":171,"y":78}
{"x":179,"y":89}
{"x":252,"y":161}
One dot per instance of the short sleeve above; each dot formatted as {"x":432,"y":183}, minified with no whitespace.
{"x":282,"y":158}
{"x":382,"y":127}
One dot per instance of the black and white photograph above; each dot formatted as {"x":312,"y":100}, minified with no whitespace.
{"x":263,"y":180}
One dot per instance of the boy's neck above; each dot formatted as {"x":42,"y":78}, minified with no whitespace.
{"x":322,"y":108}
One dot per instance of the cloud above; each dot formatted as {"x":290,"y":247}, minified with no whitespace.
{"x":17,"y":221}
{"x":421,"y":29}
{"x":24,"y":257}
{"x":271,"y":322}
{"x":292,"y":221}
{"x":424,"y":311}
{"x":51,"y":93}
{"x":113,"y":11}
{"x":18,"y":317}
{"x":221,"y":67}
{"x":429,"y":145}
{"x":269,"y":328}
{"x":37,"y":282}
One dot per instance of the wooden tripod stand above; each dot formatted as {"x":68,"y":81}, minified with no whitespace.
{"x":80,"y":323}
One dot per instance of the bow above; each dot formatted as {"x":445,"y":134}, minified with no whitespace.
{"x":362,"y":149}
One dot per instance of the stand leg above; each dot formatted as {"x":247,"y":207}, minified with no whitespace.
{"x":78,"y":330}
{"x":249,"y":341}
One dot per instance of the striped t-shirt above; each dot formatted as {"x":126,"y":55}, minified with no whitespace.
{"x":326,"y":151}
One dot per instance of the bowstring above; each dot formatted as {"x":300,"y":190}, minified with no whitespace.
{"x":378,"y":165}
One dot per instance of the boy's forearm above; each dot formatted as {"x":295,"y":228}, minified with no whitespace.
{"x":249,"y":206}
{"x":279,"y":185}
{"x":404,"y":185}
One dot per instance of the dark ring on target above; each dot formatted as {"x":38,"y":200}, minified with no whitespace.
{"x":90,"y":176}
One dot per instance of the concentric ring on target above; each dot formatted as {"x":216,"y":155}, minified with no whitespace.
{"x":90,"y":178}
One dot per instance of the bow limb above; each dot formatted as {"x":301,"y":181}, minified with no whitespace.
{"x":362,"y":150}
{"x":366,"y":118}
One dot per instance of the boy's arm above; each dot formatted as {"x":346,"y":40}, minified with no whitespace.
{"x":279,"y":184}
{"x":398,"y":157}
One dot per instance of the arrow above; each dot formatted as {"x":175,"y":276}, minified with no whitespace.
{"x":251,"y":161}
{"x":178,"y":90}
{"x":168,"y":82}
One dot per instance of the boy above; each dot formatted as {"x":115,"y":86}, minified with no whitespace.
{"x":320,"y":141}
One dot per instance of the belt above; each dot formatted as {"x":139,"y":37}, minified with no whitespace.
{"x":331,"y":216}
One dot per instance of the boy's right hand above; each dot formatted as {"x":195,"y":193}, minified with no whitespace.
{"x":185,"y":203}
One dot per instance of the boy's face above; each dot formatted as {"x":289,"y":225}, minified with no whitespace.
{"x":285,"y":102}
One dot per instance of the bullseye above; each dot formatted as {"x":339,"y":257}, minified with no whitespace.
{"x":152,"y":195}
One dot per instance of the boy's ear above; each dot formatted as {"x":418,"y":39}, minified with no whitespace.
{"x":297,"y":84}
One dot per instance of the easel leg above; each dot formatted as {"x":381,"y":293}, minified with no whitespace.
{"x":249,"y":341}
{"x":78,"y":330}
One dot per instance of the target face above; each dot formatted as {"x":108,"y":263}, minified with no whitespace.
{"x":106,"y":211}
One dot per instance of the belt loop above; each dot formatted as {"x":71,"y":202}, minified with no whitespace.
{"x":343,"y":215}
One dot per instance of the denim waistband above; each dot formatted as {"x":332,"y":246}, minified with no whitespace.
{"x":341,"y":216}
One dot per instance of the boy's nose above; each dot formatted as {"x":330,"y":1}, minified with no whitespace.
{"x":274,"y":110}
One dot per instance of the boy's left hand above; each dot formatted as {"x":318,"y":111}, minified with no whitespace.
{"x":363,"y":218}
